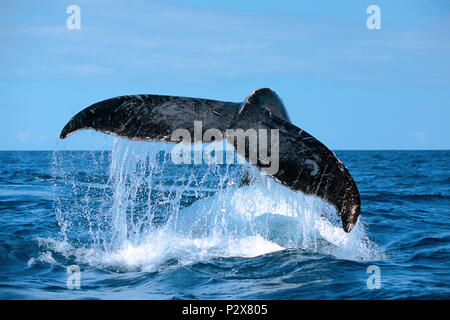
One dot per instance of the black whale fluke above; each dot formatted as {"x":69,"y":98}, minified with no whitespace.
{"x":305,"y":164}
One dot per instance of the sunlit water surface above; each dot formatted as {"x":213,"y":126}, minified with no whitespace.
{"x":139,"y":226}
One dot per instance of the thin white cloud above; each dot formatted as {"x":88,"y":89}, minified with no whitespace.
{"x":23,"y":136}
{"x":160,"y":39}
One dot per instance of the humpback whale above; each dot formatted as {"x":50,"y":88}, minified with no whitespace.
{"x":305,"y":164}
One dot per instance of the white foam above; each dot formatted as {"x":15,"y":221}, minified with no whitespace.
{"x":235,"y":222}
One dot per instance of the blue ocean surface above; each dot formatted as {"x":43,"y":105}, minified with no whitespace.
{"x":138,"y":226}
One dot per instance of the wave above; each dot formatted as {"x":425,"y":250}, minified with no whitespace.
{"x":413,"y":197}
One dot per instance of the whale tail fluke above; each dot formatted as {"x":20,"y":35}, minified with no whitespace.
{"x":304,"y":163}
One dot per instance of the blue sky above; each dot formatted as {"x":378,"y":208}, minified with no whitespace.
{"x":351,"y":87}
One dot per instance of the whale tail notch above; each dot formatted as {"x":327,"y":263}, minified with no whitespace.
{"x":305,"y":164}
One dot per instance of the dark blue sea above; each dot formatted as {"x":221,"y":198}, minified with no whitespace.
{"x":138,"y":226}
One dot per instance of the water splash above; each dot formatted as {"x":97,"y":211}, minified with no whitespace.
{"x":134,"y":208}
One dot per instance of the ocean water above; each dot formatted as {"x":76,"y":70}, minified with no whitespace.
{"x":137,"y":226}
